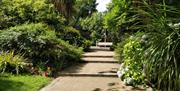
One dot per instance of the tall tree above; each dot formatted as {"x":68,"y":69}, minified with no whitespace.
{"x":85,"y":8}
{"x":65,"y":7}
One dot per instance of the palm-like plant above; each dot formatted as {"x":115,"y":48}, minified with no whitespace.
{"x":161,"y":63}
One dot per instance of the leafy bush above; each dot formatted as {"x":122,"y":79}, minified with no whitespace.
{"x":161,"y":55}
{"x":40,"y":44}
{"x":74,"y":37}
{"x":120,"y":47}
{"x":132,"y":67}
{"x":117,"y":19}
{"x":162,"y":61}
{"x":93,"y":25}
{"x":10,"y":62}
{"x":17,"y":12}
{"x":71,"y":35}
{"x":14,"y":12}
{"x":86,"y":44}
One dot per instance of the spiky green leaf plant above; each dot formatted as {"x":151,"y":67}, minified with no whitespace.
{"x":17,"y":61}
{"x":162,"y":62}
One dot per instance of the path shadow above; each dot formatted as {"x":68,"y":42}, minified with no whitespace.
{"x":74,"y":68}
{"x":112,"y":70}
{"x":97,"y":89}
{"x":114,"y":89}
{"x":8,"y":85}
{"x":113,"y":86}
{"x":92,"y":51}
{"x":139,"y":89}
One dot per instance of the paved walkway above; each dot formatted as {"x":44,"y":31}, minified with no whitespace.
{"x":96,"y":73}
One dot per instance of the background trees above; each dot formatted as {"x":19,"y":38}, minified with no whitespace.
{"x":65,"y":7}
{"x":85,"y":9}
{"x":116,"y":19}
{"x":94,"y":25}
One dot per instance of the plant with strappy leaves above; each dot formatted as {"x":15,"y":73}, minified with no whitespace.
{"x":10,"y":59}
{"x":162,"y":67}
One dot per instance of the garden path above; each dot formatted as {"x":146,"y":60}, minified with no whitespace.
{"x":96,"y":73}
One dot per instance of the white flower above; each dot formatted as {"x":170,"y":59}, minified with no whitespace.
{"x":129,"y":81}
{"x":120,"y":74}
{"x":126,"y":69}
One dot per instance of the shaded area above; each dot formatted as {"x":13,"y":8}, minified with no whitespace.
{"x":9,"y":85}
{"x":74,"y":68}
{"x":92,"y":68}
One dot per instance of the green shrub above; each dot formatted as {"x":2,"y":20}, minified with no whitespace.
{"x":119,"y":50}
{"x":40,"y":44}
{"x":17,"y":12}
{"x":92,"y":25}
{"x":9,"y":61}
{"x":162,"y":62}
{"x":86,"y":44}
{"x":131,"y":53}
{"x":162,"y":53}
{"x":71,"y":35}
{"x":14,"y":12}
{"x":74,"y":37}
{"x":117,"y":20}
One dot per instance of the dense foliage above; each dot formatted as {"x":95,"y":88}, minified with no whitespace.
{"x":84,"y":8}
{"x":116,"y":19}
{"x":38,"y":30}
{"x":158,"y":57}
{"x":40,"y":44}
{"x":93,"y":25}
{"x":15,"y":12}
{"x":162,"y":66}
{"x":131,"y":70}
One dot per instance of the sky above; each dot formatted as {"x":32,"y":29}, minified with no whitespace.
{"x":102,"y":5}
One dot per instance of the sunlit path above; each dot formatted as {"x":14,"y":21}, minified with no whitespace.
{"x":97,"y":72}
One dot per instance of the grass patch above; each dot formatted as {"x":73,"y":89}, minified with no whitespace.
{"x":22,"y":83}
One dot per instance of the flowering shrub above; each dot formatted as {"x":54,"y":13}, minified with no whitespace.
{"x":131,"y":70}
